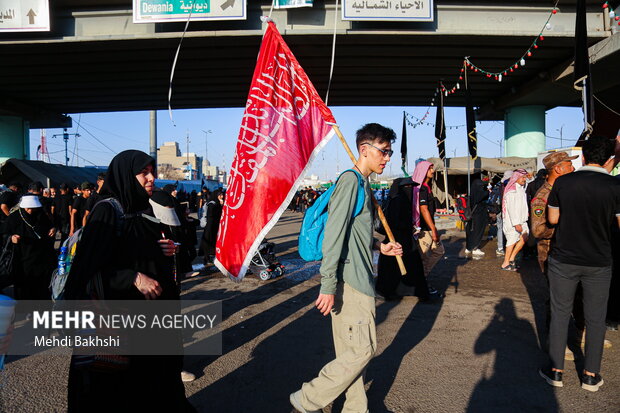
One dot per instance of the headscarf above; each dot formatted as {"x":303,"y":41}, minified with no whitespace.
{"x":215,"y":196}
{"x":512,"y":186}
{"x":506,"y":176}
{"x":169,"y":188}
{"x":419,"y":176}
{"x":121,"y":181}
{"x":163,"y":208}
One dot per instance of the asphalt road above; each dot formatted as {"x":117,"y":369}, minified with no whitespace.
{"x":478,"y":350}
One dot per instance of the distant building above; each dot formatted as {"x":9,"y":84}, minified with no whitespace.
{"x":172,"y":164}
{"x":213,"y":172}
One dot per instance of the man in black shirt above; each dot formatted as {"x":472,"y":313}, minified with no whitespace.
{"x":583,"y":206}
{"x":8,"y":199}
{"x":431,"y":247}
{"x":94,"y":198}
{"x":77,"y":209}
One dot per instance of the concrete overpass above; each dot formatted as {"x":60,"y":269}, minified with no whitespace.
{"x":95,"y":59}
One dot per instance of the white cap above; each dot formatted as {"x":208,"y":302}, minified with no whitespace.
{"x":30,"y":201}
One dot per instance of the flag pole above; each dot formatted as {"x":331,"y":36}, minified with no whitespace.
{"x":388,"y":231}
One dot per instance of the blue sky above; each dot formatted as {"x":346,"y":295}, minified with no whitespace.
{"x":102,"y":135}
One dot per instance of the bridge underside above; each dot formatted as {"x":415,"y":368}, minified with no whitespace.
{"x":97,"y":60}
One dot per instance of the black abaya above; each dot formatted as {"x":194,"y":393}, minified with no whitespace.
{"x":34,"y":258}
{"x":209,"y":236}
{"x":474,"y":228}
{"x":150,"y":383}
{"x":399,"y":216}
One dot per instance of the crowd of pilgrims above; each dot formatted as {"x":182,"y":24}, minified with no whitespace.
{"x":567,"y":220}
{"x":37,"y":228}
{"x":138,"y":263}
{"x":140,"y":255}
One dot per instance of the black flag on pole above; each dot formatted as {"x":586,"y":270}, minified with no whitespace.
{"x":440,"y":126}
{"x":470,"y":117}
{"x":582,"y":78}
{"x":403,"y":144}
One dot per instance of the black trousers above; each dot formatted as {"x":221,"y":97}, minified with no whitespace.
{"x":474,"y":229}
{"x":563,"y":280}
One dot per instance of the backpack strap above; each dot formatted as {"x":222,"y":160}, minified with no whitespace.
{"x":118,"y":209}
{"x":361,"y":195}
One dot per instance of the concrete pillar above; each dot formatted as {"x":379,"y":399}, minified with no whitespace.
{"x":14,"y":138}
{"x":524,"y":131}
{"x":153,"y":135}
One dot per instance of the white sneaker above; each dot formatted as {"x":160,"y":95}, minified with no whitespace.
{"x":186,"y":376}
{"x":467,"y":252}
{"x":477,"y":252}
{"x":295,"y":399}
{"x":499,"y":253}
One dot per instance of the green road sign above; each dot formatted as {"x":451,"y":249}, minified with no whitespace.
{"x":161,"y":11}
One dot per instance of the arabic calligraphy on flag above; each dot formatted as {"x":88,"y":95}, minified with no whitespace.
{"x":285,"y":124}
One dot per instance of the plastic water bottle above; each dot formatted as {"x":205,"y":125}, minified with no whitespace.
{"x":62,"y":265}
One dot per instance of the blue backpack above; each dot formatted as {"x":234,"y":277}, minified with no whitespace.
{"x":313,"y":225}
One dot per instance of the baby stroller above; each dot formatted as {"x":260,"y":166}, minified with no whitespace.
{"x":265,"y":262}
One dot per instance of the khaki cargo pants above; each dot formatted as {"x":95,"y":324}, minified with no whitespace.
{"x":355,"y":341}
{"x":430,"y":251}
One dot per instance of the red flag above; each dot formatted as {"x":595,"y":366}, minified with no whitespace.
{"x":284,"y":126}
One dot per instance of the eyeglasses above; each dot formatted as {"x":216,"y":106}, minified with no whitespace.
{"x":385,"y":152}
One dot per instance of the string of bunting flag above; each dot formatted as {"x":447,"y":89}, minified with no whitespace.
{"x":421,"y":121}
{"x":518,"y":63}
{"x":612,"y":14}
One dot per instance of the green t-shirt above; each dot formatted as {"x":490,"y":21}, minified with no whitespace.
{"x":347,"y":246}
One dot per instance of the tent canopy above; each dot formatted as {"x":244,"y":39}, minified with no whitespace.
{"x":458,"y":166}
{"x":189,"y":186}
{"x":17,"y":170}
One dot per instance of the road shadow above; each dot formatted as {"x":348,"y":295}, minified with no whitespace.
{"x":383,"y":369}
{"x":278,"y":366}
{"x":538,"y":291}
{"x":514,"y":384}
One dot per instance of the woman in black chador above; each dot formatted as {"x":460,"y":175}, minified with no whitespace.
{"x":32,"y":234}
{"x":399,"y":214}
{"x":214,"y":214}
{"x":135,"y":263}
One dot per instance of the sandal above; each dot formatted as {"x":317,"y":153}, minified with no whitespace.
{"x":514,"y":264}
{"x":509,"y":267}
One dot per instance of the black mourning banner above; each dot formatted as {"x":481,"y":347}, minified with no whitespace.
{"x":472,"y":139}
{"x":403,"y":143}
{"x":440,"y":126}
{"x":582,"y":78}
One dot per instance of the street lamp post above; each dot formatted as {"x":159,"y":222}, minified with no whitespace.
{"x":189,"y":165}
{"x":65,"y":137}
{"x":206,"y":132}
{"x":560,"y":130}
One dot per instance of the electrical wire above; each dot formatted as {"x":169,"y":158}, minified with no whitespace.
{"x":111,"y":133}
{"x":97,"y":139}
{"x":606,"y":107}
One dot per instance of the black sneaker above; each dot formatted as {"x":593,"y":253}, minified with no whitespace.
{"x":591,"y":383}
{"x":553,"y":378}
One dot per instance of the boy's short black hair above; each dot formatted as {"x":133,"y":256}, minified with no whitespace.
{"x":597,"y":150}
{"x":101,"y":176}
{"x":35,"y":186}
{"x":373,"y":132}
